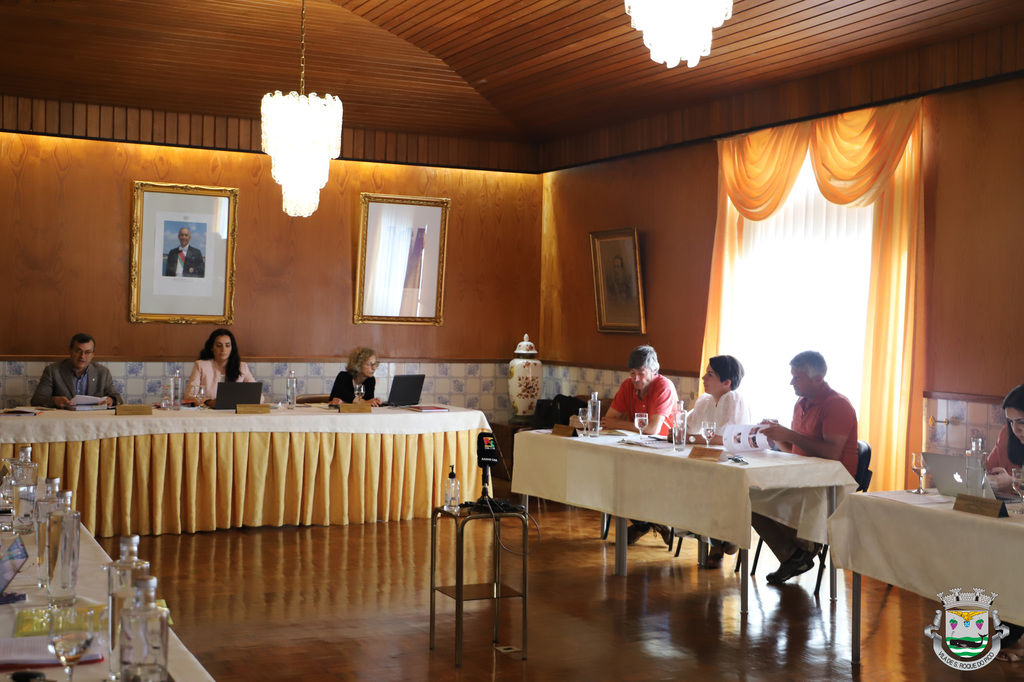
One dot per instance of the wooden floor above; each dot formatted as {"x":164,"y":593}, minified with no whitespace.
{"x":351,"y":602}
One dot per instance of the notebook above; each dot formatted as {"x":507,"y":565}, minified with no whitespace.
{"x":405,"y":390}
{"x":231,"y":394}
{"x":949,"y":476}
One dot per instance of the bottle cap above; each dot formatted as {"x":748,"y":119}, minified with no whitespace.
{"x":53,"y":481}
{"x":145,"y":582}
{"x":451,"y":474}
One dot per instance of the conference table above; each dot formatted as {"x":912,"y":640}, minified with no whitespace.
{"x":194,"y":470}
{"x":920,"y":544}
{"x":92,"y":588}
{"x":650,"y":481}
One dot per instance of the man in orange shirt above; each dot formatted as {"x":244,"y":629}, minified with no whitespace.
{"x":824,"y":425}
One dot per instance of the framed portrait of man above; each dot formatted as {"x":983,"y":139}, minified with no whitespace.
{"x":618,"y":286}
{"x":183,"y":253}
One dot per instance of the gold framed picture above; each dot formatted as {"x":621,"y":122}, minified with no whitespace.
{"x":400,"y":267}
{"x":618,"y":286}
{"x":182,"y":253}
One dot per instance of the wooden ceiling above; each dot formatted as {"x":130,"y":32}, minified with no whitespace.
{"x":514,"y":70}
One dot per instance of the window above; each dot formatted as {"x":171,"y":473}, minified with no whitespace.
{"x":800,"y":282}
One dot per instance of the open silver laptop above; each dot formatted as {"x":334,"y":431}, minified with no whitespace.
{"x":949,"y":475}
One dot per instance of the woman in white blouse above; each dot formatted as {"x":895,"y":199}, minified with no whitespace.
{"x":720,"y":403}
{"x":723,"y":405}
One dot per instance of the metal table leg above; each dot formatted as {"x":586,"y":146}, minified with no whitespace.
{"x":621,"y":542}
{"x":433,"y":573}
{"x":460,"y":593}
{"x":744,"y":582}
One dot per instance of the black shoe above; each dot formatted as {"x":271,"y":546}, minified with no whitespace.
{"x":636,"y":531}
{"x":800,"y":562}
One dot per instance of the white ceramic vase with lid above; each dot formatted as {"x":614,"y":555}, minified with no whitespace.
{"x":525,"y":374}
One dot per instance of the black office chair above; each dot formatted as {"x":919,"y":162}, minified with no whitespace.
{"x":863,"y":479}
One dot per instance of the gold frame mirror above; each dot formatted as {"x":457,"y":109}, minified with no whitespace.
{"x":400,"y":268}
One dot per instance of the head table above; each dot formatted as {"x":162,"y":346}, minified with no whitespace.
{"x":194,"y":470}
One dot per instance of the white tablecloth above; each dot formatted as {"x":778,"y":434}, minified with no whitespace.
{"x":54,"y":426}
{"x":92,"y":584}
{"x":661,"y":485}
{"x":918,"y":543}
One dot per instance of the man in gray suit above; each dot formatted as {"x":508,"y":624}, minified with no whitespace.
{"x":77,"y":375}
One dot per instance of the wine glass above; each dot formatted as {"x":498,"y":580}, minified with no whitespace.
{"x":918,"y":466}
{"x":71,"y":634}
{"x":707,"y":429}
{"x":584,"y":415}
{"x":640,"y":422}
{"x":1017,"y":482}
{"x":359,"y":393}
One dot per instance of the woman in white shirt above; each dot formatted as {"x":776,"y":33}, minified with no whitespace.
{"x":720,"y":403}
{"x":723,"y":405}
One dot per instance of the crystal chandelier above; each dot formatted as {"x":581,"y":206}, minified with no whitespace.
{"x":675,"y":30}
{"x":301,"y":133}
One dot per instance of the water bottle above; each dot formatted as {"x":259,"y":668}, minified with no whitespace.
{"x":595,"y":414}
{"x":452,"y":492}
{"x":24,"y":472}
{"x":175,"y":387}
{"x":121,"y":576}
{"x":46,"y":503}
{"x":62,"y":551}
{"x":143,"y":640}
{"x":679,"y":427}
{"x":291,"y":389}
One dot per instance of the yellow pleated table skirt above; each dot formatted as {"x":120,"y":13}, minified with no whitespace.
{"x":183,"y":483}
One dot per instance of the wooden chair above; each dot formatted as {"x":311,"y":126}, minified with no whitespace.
{"x":312,"y":398}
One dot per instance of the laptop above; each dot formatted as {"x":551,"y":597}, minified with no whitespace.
{"x":949,"y":476}
{"x":405,"y":390}
{"x":231,"y":394}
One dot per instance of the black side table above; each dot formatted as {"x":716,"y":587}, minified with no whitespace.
{"x":460,"y":592}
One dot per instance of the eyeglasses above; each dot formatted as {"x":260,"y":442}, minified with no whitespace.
{"x":373,"y":365}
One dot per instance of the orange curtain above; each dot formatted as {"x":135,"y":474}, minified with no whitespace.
{"x":870,"y":156}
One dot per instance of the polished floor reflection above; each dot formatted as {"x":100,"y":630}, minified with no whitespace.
{"x":351,"y":602}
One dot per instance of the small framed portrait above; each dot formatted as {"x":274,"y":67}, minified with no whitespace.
{"x":618,"y":286}
{"x":182,"y":253}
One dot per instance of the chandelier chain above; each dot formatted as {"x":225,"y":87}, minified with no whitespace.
{"x":302,"y":51}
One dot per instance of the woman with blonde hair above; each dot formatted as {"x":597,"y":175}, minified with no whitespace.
{"x":362,"y":363}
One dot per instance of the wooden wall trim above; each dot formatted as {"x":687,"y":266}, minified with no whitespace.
{"x":966,"y":397}
{"x":978,"y":58}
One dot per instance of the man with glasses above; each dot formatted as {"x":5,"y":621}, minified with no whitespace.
{"x":76,"y":375}
{"x":644,"y":391}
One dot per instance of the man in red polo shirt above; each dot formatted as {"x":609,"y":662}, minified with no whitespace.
{"x":824,"y":425}
{"x":644,"y":391}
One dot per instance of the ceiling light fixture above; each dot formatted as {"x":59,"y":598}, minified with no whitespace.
{"x":301,"y":134}
{"x":675,"y":30}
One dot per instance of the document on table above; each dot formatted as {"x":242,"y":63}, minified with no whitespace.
{"x":36,"y":651}
{"x":80,"y":399}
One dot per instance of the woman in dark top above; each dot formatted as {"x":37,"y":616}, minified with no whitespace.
{"x":362,"y":363}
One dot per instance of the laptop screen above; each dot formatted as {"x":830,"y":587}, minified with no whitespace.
{"x":406,"y":390}
{"x":231,"y":394}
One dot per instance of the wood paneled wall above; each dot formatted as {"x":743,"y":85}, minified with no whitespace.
{"x":66,"y":217}
{"x":669,"y":197}
{"x":103,"y":122}
{"x":991,"y":54}
{"x":974,"y":214}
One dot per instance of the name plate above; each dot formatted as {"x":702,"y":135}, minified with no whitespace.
{"x":982,"y":506}
{"x":703,"y":452}
{"x":354,"y":408}
{"x":252,"y":409}
{"x":133,"y":409}
{"x":563,"y":430}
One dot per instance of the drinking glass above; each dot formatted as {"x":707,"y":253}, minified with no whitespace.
{"x":918,"y":466}
{"x":71,"y":634}
{"x":640,"y":422}
{"x":707,"y":429}
{"x":585,"y":420}
{"x":359,"y":393}
{"x":7,"y":503}
{"x":199,"y":395}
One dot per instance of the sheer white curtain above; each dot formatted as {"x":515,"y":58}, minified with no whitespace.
{"x":388,"y":258}
{"x":800,"y":283}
